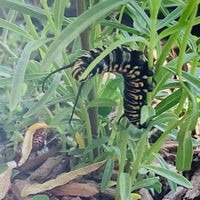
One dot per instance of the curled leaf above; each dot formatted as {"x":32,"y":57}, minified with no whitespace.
{"x":80,"y":141}
{"x":135,"y":196}
{"x":60,"y":180}
{"x":5,"y":179}
{"x":28,"y":139}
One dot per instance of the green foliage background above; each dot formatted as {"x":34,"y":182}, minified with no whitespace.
{"x":29,"y":52}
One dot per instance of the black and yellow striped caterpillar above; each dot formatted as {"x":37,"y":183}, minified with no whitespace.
{"x":132,"y":66}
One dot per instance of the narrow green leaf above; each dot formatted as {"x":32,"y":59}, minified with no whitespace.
{"x":146,"y":183}
{"x":171,"y":84}
{"x":59,"y":13}
{"x":65,"y":98}
{"x":107,"y":174}
{"x":163,"y":73}
{"x":87,"y":87}
{"x":72,"y":31}
{"x":123,"y":27}
{"x":110,"y":89}
{"x":18,"y":78}
{"x":177,"y":178}
{"x":185,"y":150}
{"x":174,"y":133}
{"x":164,"y":118}
{"x":125,"y":186}
{"x":28,"y":9}
{"x":102,"y":102}
{"x":39,"y":106}
{"x":168,"y":102}
{"x":172,"y":184}
{"x":5,"y":49}
{"x":6,"y":82}
{"x":6,"y":71}
{"x":96,"y":143}
{"x":14,"y":28}
{"x":141,"y":19}
{"x":161,"y":76}
{"x":169,"y":18}
{"x":24,"y":8}
{"x":192,"y":80}
{"x":171,"y":30}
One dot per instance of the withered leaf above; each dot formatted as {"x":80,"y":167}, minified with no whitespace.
{"x":60,"y":180}
{"x":27,"y":143}
{"x":5,"y":179}
{"x":76,"y":189}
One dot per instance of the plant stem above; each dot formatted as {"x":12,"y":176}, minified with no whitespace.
{"x":173,"y":37}
{"x":90,"y":117}
{"x":154,"y":8}
{"x":30,"y":25}
{"x":120,"y":17}
{"x":9,"y":18}
{"x":46,"y":8}
{"x":142,"y":143}
{"x":123,"y":148}
{"x":155,"y":148}
{"x":181,"y":56}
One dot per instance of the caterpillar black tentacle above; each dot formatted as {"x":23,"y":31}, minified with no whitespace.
{"x":133,"y":67}
{"x":57,"y":70}
{"x":76,"y":101}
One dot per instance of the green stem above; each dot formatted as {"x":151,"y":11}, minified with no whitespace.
{"x":181,"y":56}
{"x":181,"y":103}
{"x":155,"y":148}
{"x":89,"y":116}
{"x":173,"y":37}
{"x":120,"y":17}
{"x":48,"y":14}
{"x":154,"y":8}
{"x":30,"y":26}
{"x":194,"y":65}
{"x":141,"y":146}
{"x":9,"y":18}
{"x":122,"y":162}
{"x":7,"y":50}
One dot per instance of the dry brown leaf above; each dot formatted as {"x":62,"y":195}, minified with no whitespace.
{"x":76,"y":189}
{"x":60,"y":180}
{"x":27,"y":143}
{"x":5,"y":179}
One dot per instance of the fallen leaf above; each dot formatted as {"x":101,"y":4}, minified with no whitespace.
{"x":5,"y":179}
{"x":76,"y":189}
{"x":27,"y":143}
{"x":60,"y":180}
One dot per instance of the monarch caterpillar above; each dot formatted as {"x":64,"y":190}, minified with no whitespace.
{"x":130,"y":64}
